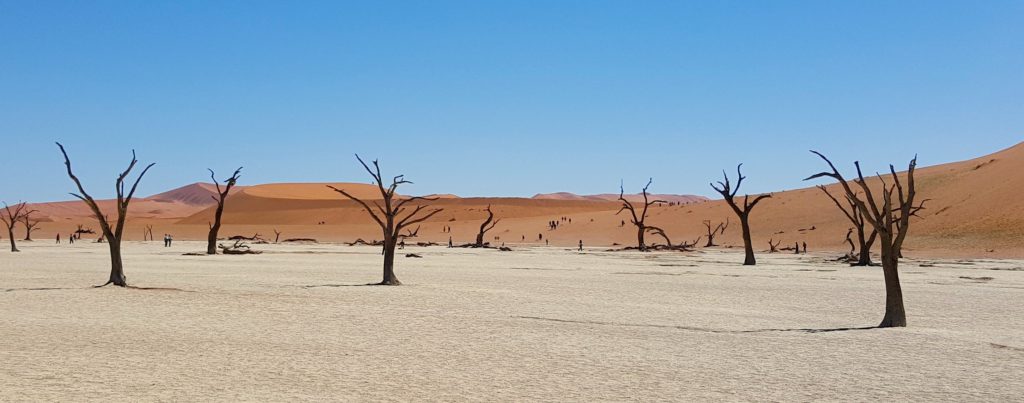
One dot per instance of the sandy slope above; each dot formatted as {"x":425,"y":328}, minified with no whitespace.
{"x":536,"y":324}
{"x":976,"y":209}
{"x":635,"y":198}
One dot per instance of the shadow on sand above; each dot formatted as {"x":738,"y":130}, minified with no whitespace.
{"x":40,"y":289}
{"x":345,"y":285}
{"x":698,"y":329}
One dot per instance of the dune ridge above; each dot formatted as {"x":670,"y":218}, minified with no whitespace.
{"x":975,"y":209}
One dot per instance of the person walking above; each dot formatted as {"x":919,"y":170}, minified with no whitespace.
{"x":581,"y":245}
{"x":58,"y":238}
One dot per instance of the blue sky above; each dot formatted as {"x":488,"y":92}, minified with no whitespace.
{"x":503,"y":98}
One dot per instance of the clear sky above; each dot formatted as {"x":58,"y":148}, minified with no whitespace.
{"x":504,"y":98}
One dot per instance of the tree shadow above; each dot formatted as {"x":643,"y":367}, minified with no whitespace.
{"x":157,"y":289}
{"x":342,"y":285}
{"x":699,"y":329}
{"x":39,"y":289}
{"x":132,"y":287}
{"x":808,"y":330}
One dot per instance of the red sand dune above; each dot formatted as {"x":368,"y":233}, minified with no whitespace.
{"x":684,"y":199}
{"x":976,"y":209}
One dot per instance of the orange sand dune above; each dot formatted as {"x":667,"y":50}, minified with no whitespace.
{"x":312,"y":191}
{"x":196,"y":194}
{"x":976,"y":209}
{"x":636,"y":198}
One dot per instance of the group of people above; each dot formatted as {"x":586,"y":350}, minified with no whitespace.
{"x":797,"y":247}
{"x":71,"y":238}
{"x":553,"y":224}
{"x":167,"y":240}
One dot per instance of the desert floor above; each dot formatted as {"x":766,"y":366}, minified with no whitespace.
{"x":534,"y":324}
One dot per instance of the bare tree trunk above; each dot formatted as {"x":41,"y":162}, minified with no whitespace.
{"x":211,"y":237}
{"x":116,"y":266}
{"x":10,"y":232}
{"x":748,"y":244}
{"x":895,"y":315}
{"x":865,"y":248}
{"x":389,"y":263}
{"x":640,"y":238}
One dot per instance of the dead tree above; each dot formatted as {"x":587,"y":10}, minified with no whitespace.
{"x":30,"y":224}
{"x":690,"y":245}
{"x":238,"y":248}
{"x":256,"y":238}
{"x":390,"y":219}
{"x":10,"y":217}
{"x":147,"y":234}
{"x":718,"y":230}
{"x":222,"y":194}
{"x":112,"y":234}
{"x":660,"y":232}
{"x":638,"y":220}
{"x":853,"y":248}
{"x":774,"y":247}
{"x":853,"y":214}
{"x":409,"y":233}
{"x":277,"y":235}
{"x":683,"y":247}
{"x":82,"y":230}
{"x":487,"y":225}
{"x":729,"y":193}
{"x":891,"y":219}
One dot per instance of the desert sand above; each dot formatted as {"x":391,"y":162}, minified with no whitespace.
{"x":538,"y":323}
{"x":976,"y":209}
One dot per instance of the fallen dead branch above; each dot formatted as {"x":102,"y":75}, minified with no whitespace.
{"x":238,"y":248}
{"x":300,"y":240}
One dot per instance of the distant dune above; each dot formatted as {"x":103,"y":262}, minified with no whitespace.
{"x":312,"y":191}
{"x":196,"y":194}
{"x":614,"y":197}
{"x":976,"y":208}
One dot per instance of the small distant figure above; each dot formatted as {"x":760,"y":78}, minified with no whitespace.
{"x":540,"y":236}
{"x":170,"y":240}
{"x":805,"y":248}
{"x":71,"y":239}
{"x":450,"y":242}
{"x":524,"y":238}
{"x":622,"y":223}
{"x":58,"y":239}
{"x":167,"y":241}
{"x":581,"y":245}
{"x":570,"y":220}
{"x":797,"y":248}
{"x":401,"y":244}
{"x":546,"y":242}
